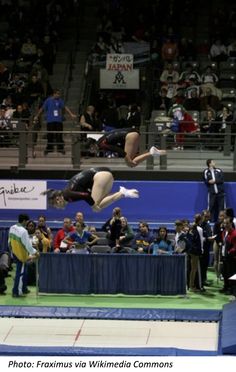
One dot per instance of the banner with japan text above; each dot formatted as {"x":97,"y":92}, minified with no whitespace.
{"x":119,"y":79}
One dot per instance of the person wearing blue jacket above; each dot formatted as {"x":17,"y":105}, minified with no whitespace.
{"x":214,"y":180}
{"x":143,"y":239}
{"x":162,"y":245}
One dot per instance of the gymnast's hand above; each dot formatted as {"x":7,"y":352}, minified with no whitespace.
{"x":130,"y":162}
{"x":96,"y":208}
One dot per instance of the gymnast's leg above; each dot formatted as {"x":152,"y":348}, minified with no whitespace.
{"x":132,"y":157}
{"x":102,"y":185}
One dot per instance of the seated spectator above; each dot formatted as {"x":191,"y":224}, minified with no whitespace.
{"x":109,"y":116}
{"x":134,"y":116}
{"x":23,"y":113}
{"x":161,"y":244}
{"x":4,"y":75}
{"x":192,"y":86}
{"x":161,"y":101}
{"x":100,"y":48}
{"x":231,"y":50}
{"x":169,"y":71}
{"x":187,"y":51}
{"x":209,"y":101}
{"x":7,"y":103}
{"x":126,"y":233}
{"x":43,"y":244}
{"x":4,"y":268}
{"x":4,"y":128}
{"x":88,"y":121}
{"x":58,"y":245}
{"x":34,"y":91}
{"x":209,"y":79}
{"x":192,"y":103}
{"x":208,"y":123}
{"x":79,"y":217}
{"x":139,"y":32}
{"x":218,"y":51}
{"x":11,"y":48}
{"x":80,"y":240}
{"x":143,"y":239}
{"x":113,"y":227}
{"x":225,"y":116}
{"x":116,"y":45}
{"x":45,"y":230}
{"x":187,"y":74}
{"x":169,"y":50}
{"x":179,"y":96}
{"x":209,"y":76}
{"x":16,"y":81}
{"x":28,"y":50}
{"x":170,"y":87}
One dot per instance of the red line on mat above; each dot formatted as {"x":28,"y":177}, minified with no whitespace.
{"x":8,"y":333}
{"x":78,"y":333}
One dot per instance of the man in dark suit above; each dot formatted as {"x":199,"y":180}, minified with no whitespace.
{"x":214,"y":180}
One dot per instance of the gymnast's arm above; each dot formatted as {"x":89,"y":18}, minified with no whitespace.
{"x":72,"y":196}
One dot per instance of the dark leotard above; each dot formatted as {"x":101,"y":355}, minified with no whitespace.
{"x":115,"y":140}
{"x":80,"y":186}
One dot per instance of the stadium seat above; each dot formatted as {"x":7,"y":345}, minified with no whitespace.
{"x":228,"y":94}
{"x":157,"y":113}
{"x":194,"y":64}
{"x":205,"y":63}
{"x":100,"y":249}
{"x":227,"y":80}
{"x":102,"y":241}
{"x":101,"y":234}
{"x":227,"y":66}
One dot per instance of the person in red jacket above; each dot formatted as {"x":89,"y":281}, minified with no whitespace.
{"x":182,"y":123}
{"x":58,"y":246}
{"x":229,"y":256}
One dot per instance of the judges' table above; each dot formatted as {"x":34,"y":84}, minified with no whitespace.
{"x":112,"y":273}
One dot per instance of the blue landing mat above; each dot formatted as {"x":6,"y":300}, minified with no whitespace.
{"x":110,"y":313}
{"x":8,"y":350}
{"x":106,"y":313}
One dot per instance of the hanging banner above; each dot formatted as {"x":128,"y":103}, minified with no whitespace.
{"x":18,"y":194}
{"x":119,"y":62}
{"x":119,"y":79}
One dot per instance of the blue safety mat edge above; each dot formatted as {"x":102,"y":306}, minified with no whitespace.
{"x":109,"y":313}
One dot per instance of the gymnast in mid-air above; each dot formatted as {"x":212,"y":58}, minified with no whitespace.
{"x":125,"y":142}
{"x":92,"y":185}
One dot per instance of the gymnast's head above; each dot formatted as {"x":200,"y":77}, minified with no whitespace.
{"x":91,"y":145}
{"x":55,"y":198}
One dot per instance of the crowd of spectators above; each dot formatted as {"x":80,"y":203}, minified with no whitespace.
{"x":204,"y":244}
{"x":28,"y":46}
{"x":197,"y":74}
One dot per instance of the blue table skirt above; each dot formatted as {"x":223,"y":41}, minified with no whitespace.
{"x":133,"y":274}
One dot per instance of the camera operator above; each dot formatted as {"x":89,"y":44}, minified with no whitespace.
{"x":113,"y":227}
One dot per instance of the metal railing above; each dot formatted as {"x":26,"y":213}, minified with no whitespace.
{"x":20,"y":147}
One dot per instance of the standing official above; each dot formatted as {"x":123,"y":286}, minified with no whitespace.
{"x":54,"y":107}
{"x":214,"y":180}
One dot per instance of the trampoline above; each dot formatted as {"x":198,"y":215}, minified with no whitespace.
{"x":65,"y":331}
